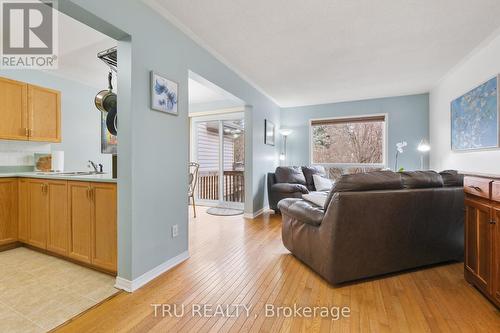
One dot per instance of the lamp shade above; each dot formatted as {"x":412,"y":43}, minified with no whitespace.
{"x":285,"y":132}
{"x":423,"y":146}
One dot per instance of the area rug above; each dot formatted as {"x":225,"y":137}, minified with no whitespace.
{"x":222,"y":211}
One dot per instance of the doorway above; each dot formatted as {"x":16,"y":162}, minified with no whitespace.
{"x":219,"y":148}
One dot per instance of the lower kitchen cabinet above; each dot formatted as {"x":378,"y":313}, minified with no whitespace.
{"x":80,"y":212}
{"x":93,"y":224}
{"x":8,"y":210}
{"x":58,"y":226}
{"x":73,"y":219}
{"x":23,"y":216}
{"x":38,"y":213}
{"x":104,"y":233}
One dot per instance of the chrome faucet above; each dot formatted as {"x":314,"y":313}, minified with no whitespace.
{"x":94,"y":165}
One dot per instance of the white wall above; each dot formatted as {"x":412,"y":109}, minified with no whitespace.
{"x":482,"y":64}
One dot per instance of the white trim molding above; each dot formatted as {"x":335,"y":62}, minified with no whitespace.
{"x":131,"y":286}
{"x":256,"y":214}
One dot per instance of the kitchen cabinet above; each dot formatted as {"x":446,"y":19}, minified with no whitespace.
{"x":93,"y":224}
{"x":23,"y":216}
{"x":72,"y":219}
{"x":104,"y":240}
{"x":43,"y":214}
{"x":29,"y":112}
{"x":58,"y":226}
{"x":482,"y":236}
{"x":44,"y":114}
{"x":13,"y":110}
{"x":8,"y":210}
{"x":80,"y":212}
{"x":38,"y":213}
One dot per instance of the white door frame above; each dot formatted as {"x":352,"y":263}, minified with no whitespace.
{"x":220,"y":118}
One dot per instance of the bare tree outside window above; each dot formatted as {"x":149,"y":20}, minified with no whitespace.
{"x":349,"y":141}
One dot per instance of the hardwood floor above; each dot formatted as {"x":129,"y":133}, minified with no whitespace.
{"x":237,"y":261}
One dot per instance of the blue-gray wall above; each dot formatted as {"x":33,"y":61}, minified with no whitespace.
{"x":80,"y":120}
{"x":153,"y":150}
{"x":408,"y":120}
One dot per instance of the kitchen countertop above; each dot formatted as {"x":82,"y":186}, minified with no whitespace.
{"x":103,"y":178}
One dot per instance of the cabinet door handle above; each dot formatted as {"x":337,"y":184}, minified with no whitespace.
{"x":30,"y":132}
{"x":26,"y":131}
{"x":493,"y":222}
{"x":88,"y":193}
{"x":477,"y":188}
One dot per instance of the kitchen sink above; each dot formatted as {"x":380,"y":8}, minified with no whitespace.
{"x":73,"y":173}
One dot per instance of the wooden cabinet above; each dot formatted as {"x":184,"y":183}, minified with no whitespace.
{"x":23,"y":212}
{"x":70,"y":218}
{"x":482,"y":236}
{"x":13,"y":110}
{"x":44,"y":114}
{"x":496,"y":253}
{"x":478,"y":242}
{"x":58,"y":226}
{"x":43,"y":214}
{"x":8,"y":210}
{"x":29,"y":112}
{"x":104,"y":240}
{"x":93,"y":224}
{"x":38,"y":213}
{"x":80,"y":212}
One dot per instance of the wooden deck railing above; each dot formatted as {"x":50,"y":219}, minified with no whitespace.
{"x":234,"y":186}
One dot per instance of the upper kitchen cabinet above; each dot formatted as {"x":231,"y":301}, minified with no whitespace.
{"x":13,"y":110}
{"x":29,"y":112}
{"x":44,"y":110}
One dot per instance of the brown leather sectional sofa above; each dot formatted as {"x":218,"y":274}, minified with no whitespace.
{"x":377,"y":223}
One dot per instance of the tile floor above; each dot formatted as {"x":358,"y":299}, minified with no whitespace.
{"x":39,"y":292}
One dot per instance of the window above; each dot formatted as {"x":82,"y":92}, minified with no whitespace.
{"x":354,"y":141}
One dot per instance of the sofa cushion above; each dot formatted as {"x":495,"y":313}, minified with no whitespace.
{"x":321,"y":183}
{"x":421,"y":179}
{"x":369,"y":181}
{"x":291,"y":175}
{"x":309,"y":171}
{"x":289,"y":188}
{"x":452,"y":178}
{"x":302,"y":211}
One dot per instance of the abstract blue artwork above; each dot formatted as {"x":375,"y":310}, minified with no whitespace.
{"x":474,"y":118}
{"x":163,"y":94}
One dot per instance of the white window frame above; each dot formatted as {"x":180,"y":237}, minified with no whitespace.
{"x":348,"y":165}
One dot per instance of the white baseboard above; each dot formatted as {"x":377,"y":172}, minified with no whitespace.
{"x":131,"y":286}
{"x":255,"y":214}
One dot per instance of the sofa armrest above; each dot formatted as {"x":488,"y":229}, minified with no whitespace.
{"x":302,"y":211}
{"x":289,"y":188}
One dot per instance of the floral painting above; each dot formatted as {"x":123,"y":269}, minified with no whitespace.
{"x":474,"y":118}
{"x":163,"y":94}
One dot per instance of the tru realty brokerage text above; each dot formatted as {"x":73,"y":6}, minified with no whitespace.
{"x":237,"y":310}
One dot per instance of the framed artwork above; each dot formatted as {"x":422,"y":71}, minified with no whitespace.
{"x":269,"y":131}
{"x":163,"y":94}
{"x":109,"y":142}
{"x":475,"y":118}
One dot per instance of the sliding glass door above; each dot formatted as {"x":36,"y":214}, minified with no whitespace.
{"x":218,"y":146}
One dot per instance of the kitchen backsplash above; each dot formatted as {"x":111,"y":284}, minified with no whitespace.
{"x":19,"y":155}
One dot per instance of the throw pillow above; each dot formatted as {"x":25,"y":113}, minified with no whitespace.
{"x":322,"y":183}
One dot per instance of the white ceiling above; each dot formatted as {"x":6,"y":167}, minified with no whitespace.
{"x":206,"y":96}
{"x":78,"y":47}
{"x":319,"y":51}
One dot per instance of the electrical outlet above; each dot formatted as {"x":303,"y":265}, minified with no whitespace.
{"x":175,"y":230}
